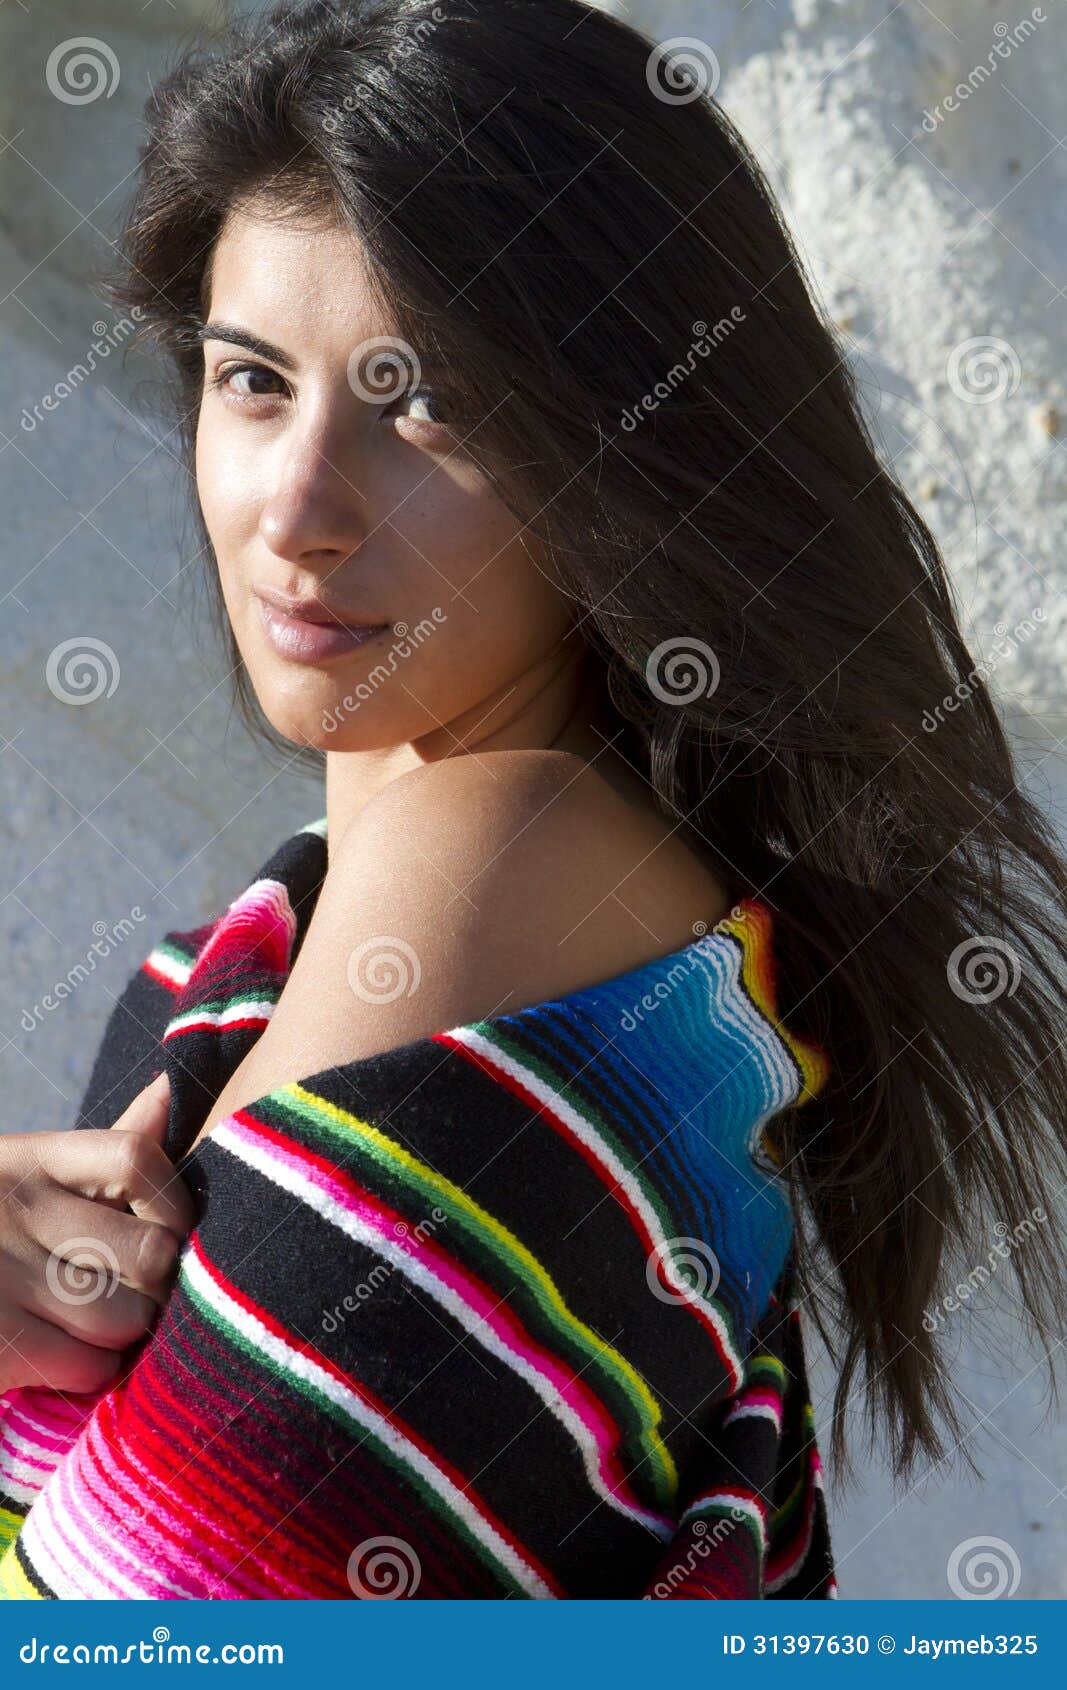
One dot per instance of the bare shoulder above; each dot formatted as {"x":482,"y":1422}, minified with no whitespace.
{"x":474,"y":887}
{"x":518,"y":876}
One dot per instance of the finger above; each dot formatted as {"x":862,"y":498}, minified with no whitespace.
{"x":79,"y":1238}
{"x":88,"y":1305}
{"x":38,"y":1354}
{"x":149,"y":1110}
{"x":116,"y":1168}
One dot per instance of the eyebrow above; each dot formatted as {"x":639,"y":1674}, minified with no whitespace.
{"x":236,"y":336}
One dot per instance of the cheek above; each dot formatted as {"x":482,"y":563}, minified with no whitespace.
{"x":464,"y":548}
{"x":225,"y":491}
{"x":504,"y":614}
{"x":219,"y":475}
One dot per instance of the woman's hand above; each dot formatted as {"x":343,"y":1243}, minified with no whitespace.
{"x":80,"y":1278}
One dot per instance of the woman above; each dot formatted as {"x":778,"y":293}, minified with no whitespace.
{"x":629,"y":976}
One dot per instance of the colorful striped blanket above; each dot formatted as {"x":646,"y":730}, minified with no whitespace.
{"x":505,"y":1312}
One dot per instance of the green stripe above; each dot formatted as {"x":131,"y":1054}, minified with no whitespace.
{"x":415,"y":1189}
{"x":303,"y":1389}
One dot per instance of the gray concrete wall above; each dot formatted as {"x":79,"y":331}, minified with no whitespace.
{"x":927,"y":219}
{"x":142,"y":808}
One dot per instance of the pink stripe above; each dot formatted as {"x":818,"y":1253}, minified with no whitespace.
{"x":501,"y":1320}
{"x":41,"y":1406}
{"x":179,"y":1515}
{"x":57,"y":1437}
{"x":22,"y":1458}
{"x":52,"y":1506}
{"x":756,"y":1399}
{"x":173,"y":1499}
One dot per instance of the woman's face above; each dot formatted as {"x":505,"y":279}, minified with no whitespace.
{"x":316,"y":484}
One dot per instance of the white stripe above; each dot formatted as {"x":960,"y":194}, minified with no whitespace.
{"x":173,"y":970}
{"x":745,"y":1411}
{"x":239,"y":1011}
{"x":282,"y":1354}
{"x":49,"y":1555}
{"x":291,"y":1180}
{"x":620,"y":1175}
{"x":728,"y":1499}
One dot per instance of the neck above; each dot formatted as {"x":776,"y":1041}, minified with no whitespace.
{"x":560,"y":702}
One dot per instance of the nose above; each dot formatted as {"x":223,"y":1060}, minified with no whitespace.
{"x":314,"y":511}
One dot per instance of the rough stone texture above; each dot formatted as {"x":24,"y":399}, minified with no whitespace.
{"x":920,"y":238}
{"x":919,"y":241}
{"x":125,"y":804}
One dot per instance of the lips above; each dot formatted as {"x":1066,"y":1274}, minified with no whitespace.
{"x":312,"y":610}
{"x":308,"y":631}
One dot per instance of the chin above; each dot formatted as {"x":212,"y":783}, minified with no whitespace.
{"x":326,"y":713}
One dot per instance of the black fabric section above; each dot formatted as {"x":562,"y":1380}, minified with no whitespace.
{"x":443,"y":1382}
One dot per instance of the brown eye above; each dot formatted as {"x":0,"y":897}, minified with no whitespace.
{"x":255,"y":373}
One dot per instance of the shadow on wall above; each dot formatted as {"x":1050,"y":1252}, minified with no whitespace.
{"x":119,"y":766}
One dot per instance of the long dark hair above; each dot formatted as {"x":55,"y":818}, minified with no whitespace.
{"x":572,"y":233}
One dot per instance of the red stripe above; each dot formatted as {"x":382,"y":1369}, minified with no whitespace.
{"x":509,"y":1083}
{"x":445,"y":1261}
{"x":306,"y":1554}
{"x":374,"y":1402}
{"x":206,"y":1026}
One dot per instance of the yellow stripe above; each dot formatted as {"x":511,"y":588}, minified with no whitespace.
{"x":14,"y":1585}
{"x":480,"y":1217}
{"x":810,"y":1058}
